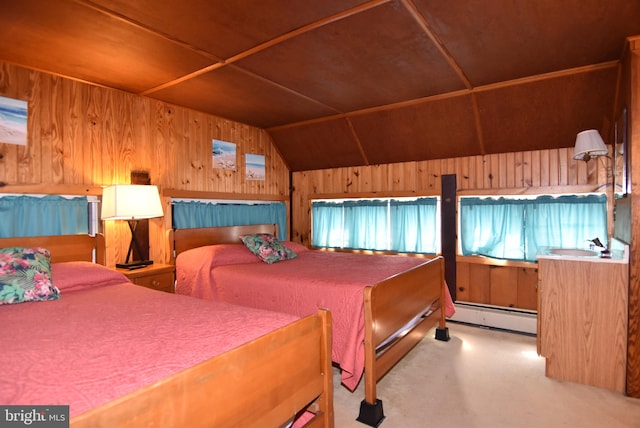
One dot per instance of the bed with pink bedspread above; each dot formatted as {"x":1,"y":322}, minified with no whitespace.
{"x":114,"y":351}
{"x":340,"y":282}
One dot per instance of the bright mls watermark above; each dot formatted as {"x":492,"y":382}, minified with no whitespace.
{"x":34,"y":416}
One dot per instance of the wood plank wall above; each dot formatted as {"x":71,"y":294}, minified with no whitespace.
{"x":544,"y":171}
{"x":82,"y":137}
{"x":633,"y":345}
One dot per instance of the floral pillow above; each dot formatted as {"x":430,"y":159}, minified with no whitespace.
{"x":267,"y":248}
{"x":25,"y":275}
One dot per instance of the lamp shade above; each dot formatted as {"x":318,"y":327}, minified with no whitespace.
{"x":130,"y":201}
{"x":589,"y":144}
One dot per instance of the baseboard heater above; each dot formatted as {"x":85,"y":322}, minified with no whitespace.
{"x":521,"y":321}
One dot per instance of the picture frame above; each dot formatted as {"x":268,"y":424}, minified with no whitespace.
{"x":254,"y":167}
{"x":13,"y":121}
{"x":621,"y":154}
{"x":223,"y":155}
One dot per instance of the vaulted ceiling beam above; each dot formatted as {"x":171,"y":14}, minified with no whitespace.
{"x":269,"y":43}
{"x":490,"y":87}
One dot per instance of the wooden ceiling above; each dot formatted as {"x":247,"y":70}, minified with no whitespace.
{"x":349,"y":82}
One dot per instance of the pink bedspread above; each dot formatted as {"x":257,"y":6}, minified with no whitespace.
{"x":300,"y":286}
{"x":106,"y":337}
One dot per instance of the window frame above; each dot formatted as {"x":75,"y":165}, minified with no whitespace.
{"x":388,"y":199}
{"x":527,"y":197}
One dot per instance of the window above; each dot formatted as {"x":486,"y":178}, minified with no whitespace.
{"x":514,"y":228}
{"x":399,"y":224}
{"x":44,"y":215}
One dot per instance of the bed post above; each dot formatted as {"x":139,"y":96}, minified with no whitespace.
{"x":442,"y":331}
{"x":371,"y":412}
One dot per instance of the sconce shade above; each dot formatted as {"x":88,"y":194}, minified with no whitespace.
{"x":589,"y":144}
{"x":130,"y":201}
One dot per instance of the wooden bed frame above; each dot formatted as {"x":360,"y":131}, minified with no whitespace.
{"x":262,"y":383}
{"x":398,"y":310}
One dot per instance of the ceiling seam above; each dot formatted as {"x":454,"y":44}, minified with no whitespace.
{"x":385,"y":107}
{"x":306,"y":28}
{"x":358,"y":142}
{"x":284,"y":88}
{"x":269,"y":43}
{"x":478,"y":122}
{"x":426,"y":27}
{"x":546,"y":76}
{"x":462,"y":92}
{"x":182,"y":79}
{"x":115,"y":15}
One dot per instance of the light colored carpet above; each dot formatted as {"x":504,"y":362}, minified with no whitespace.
{"x":483,"y":379}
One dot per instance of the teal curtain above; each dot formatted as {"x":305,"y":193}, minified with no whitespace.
{"x":515,"y":229}
{"x":414,"y":226}
{"x":190,"y":214}
{"x":386,"y":225}
{"x":43,"y":216}
{"x":566,"y":221}
{"x":492,"y":228}
{"x":365,"y":224}
{"x":327,"y":221}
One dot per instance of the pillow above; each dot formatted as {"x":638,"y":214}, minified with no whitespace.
{"x":267,"y":248}
{"x":296,"y":247}
{"x":217,"y":255}
{"x":25,"y":275}
{"x":71,"y":276}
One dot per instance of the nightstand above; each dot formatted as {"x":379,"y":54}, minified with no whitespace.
{"x":156,"y":276}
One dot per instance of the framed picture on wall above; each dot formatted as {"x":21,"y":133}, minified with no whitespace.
{"x":13,"y":121}
{"x":254,"y":167}
{"x":621,"y":155}
{"x":223,"y":154}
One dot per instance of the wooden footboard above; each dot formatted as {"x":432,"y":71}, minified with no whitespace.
{"x":399,"y":312}
{"x":263,"y":383}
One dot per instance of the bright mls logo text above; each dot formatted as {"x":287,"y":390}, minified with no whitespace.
{"x":38,"y":416}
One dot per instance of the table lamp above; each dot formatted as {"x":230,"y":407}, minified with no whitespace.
{"x":131,"y":202}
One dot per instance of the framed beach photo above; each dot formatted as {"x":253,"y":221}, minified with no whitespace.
{"x":223,"y":154}
{"x":13,"y":121}
{"x":254,"y":167}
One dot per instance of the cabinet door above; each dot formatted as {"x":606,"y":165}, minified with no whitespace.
{"x":527,"y":289}
{"x":583,"y":321}
{"x":504,"y":286}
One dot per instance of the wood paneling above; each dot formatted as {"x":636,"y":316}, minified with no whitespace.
{"x":480,"y":284}
{"x":545,"y":171}
{"x":633,"y":357}
{"x":82,"y":136}
{"x":508,"y":286}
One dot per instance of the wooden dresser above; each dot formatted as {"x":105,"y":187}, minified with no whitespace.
{"x":582,"y":320}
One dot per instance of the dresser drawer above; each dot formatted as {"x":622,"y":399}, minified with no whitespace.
{"x":156,"y":276}
{"x":158,"y":281}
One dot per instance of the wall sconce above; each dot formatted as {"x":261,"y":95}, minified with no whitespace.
{"x":131,"y":202}
{"x":589,"y":144}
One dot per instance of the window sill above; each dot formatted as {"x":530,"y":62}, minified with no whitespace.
{"x":482,"y":260}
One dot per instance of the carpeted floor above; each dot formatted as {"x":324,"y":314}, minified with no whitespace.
{"x":484,"y":379}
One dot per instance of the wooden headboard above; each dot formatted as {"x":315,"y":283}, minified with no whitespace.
{"x":186,"y":239}
{"x":64,"y":248}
